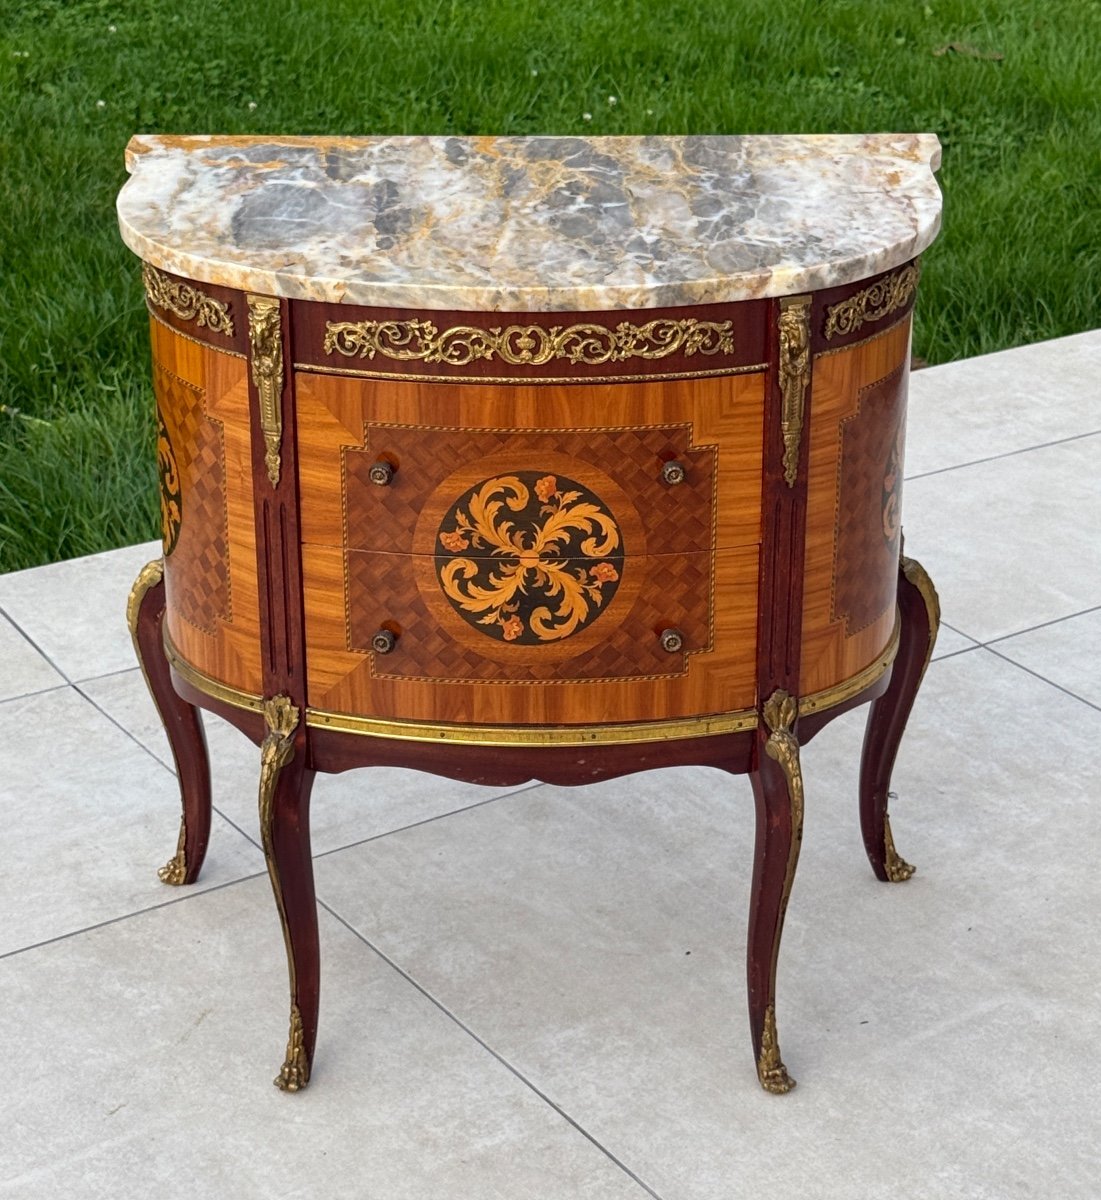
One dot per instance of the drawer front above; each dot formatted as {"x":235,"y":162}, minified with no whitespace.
{"x":436,"y":441}
{"x":615,"y":476}
{"x":621,"y":637}
{"x":570,"y":619}
{"x":511,"y":538}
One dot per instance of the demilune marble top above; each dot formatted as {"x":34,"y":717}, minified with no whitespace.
{"x":530,"y":223}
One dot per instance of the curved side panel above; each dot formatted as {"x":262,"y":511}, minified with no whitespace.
{"x":212,"y":610}
{"x":854,"y":497}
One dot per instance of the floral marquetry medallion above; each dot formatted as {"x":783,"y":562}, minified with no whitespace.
{"x":171,"y":500}
{"x":892,"y":492}
{"x":869,"y":499}
{"x":529,"y":558}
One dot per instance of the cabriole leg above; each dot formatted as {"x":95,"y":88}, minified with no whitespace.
{"x":285,"y":786}
{"x":778,"y":791}
{"x":182,"y":723}
{"x":919,"y":616}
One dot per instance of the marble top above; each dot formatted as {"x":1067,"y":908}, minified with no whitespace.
{"x":530,"y":224}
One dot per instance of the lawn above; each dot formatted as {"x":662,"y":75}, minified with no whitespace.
{"x":1011,"y":88}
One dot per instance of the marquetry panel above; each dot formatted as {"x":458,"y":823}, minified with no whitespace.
{"x":611,"y":667}
{"x":854,"y":479}
{"x":196,"y":553}
{"x":442,"y":439}
{"x":210,"y":571}
{"x":619,"y":468}
{"x":869,"y":504}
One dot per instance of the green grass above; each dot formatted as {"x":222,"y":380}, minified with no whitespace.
{"x":1019,"y":258}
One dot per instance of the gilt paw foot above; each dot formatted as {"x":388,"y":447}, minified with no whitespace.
{"x":897,"y":868}
{"x":174,"y":871}
{"x":295,"y":1072}
{"x":771,"y":1071}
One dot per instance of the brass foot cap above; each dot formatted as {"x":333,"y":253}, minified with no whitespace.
{"x":174,"y":872}
{"x":898,"y":870}
{"x":777,"y":1081}
{"x":291,"y":1078}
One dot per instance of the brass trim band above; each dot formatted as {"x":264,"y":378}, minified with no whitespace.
{"x":187,"y":337}
{"x":624,"y":733}
{"x":537,"y":735}
{"x":872,"y":337}
{"x":838,"y":693}
{"x":202,"y":682}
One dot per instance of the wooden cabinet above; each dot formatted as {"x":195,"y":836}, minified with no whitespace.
{"x":553,"y":543}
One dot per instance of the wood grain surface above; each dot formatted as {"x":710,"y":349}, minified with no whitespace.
{"x":442,"y":669}
{"x":212,"y":606}
{"x":602,"y":432}
{"x":857,"y":415}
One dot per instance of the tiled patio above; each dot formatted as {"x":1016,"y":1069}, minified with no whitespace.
{"x":539,"y":992}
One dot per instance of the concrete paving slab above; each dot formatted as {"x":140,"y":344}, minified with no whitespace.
{"x":1066,"y":652}
{"x":1001,"y":403}
{"x":23,"y":668}
{"x":75,"y":611}
{"x":594,"y":937}
{"x":89,"y":817}
{"x":147,"y":1050}
{"x":1011,"y":543}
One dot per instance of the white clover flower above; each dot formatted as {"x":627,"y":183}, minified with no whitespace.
{"x":252,"y":106}
{"x":112,"y":29}
{"x":101,"y":104}
{"x":613,"y":101}
{"x":586,"y":116}
{"x":534,"y":72}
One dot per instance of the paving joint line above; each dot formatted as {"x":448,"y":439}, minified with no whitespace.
{"x":1042,"y":625}
{"x":118,"y":725}
{"x":489,"y":1050}
{"x":956,"y":653}
{"x":32,"y":643}
{"x":108,"y":674}
{"x":63,"y":686}
{"x":1074,"y":437}
{"x":194,"y":895}
{"x":157,"y":758}
{"x":1044,"y":679}
{"x":531,"y":787}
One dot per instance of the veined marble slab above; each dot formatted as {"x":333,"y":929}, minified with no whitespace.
{"x":530,"y":224}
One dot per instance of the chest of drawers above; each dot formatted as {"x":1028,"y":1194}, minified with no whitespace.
{"x":531,"y":458}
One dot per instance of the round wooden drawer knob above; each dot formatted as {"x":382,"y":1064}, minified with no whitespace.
{"x":384,"y":641}
{"x":673,"y":472}
{"x":381,"y":472}
{"x":672,"y":640}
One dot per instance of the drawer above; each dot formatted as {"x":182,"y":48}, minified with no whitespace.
{"x":650,"y":485}
{"x":480,"y":638}
{"x":382,"y":463}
